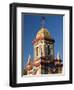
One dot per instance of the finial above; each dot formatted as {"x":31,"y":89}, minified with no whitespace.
{"x":58,"y":56}
{"x":29,"y":58}
{"x":42,"y":21}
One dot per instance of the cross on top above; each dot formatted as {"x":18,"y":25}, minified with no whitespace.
{"x":42,"y":21}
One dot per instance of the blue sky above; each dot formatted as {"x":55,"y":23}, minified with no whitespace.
{"x":31,"y":23}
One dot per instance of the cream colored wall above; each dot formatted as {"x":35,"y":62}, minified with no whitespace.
{"x":43,"y":44}
{"x":39,"y":53}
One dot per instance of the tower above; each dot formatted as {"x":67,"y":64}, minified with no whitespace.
{"x":43,"y":50}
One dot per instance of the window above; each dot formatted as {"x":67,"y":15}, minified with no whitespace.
{"x":36,"y":51}
{"x":48,"y":50}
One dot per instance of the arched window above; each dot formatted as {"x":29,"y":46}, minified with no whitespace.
{"x":48,"y":49}
{"x":36,"y":51}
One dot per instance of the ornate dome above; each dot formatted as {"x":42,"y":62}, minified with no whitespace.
{"x":43,"y":33}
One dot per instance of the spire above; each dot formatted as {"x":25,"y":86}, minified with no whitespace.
{"x":58,"y":56}
{"x":42,"y":21}
{"x":29,"y":60}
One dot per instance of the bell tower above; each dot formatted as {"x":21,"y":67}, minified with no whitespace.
{"x":43,"y":49}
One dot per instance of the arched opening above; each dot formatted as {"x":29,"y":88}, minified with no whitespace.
{"x":36,"y":51}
